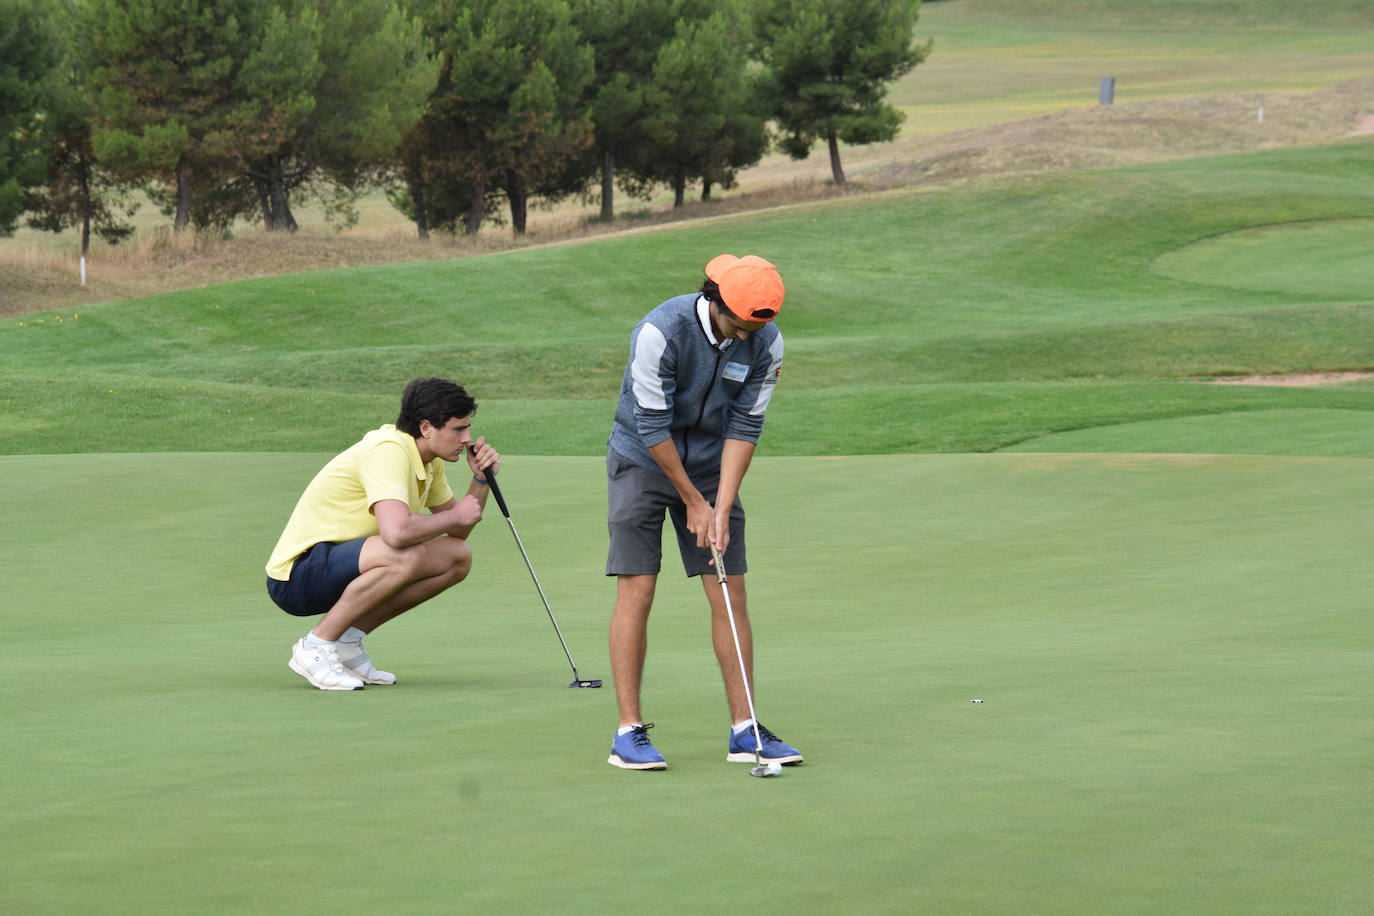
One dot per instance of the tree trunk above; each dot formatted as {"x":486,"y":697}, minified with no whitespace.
{"x":478,"y":204}
{"x":183,"y":217}
{"x":418,"y":207}
{"x":836,"y":170}
{"x":705,"y":187}
{"x":519,"y":201}
{"x":282,"y":218}
{"x":679,"y":188}
{"x":84,"y":181}
{"x":608,"y":185}
{"x":278,"y":200}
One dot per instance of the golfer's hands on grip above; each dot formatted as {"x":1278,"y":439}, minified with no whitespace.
{"x":482,"y":456}
{"x":467,"y":511}
{"x":711,"y":526}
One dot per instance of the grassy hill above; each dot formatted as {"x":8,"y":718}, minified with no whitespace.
{"x":967,"y":319}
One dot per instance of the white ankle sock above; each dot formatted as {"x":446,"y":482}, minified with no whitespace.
{"x":741,"y":727}
{"x":626,"y":729}
{"x":312,"y":640}
{"x":352,"y":634}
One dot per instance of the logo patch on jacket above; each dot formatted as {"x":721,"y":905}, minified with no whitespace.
{"x":736,"y":372}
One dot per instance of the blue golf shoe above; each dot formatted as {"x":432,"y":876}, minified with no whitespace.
{"x":741,"y":749}
{"x":634,"y":751}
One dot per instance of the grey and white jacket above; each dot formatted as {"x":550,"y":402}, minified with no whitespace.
{"x":682,"y":384}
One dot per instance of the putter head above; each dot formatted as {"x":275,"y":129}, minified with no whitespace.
{"x":765,"y":770}
{"x":585,"y":684}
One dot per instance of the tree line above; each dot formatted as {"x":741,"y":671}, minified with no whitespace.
{"x":464,"y":111}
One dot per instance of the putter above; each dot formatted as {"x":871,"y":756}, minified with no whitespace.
{"x":761,"y":769}
{"x":501,"y":501}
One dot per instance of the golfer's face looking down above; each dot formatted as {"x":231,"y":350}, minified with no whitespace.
{"x":730,"y":326}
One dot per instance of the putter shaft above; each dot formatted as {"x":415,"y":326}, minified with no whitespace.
{"x":577,"y":680}
{"x":739,"y":654}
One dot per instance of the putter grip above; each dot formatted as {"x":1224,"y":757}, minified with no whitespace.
{"x":720,"y":565}
{"x":490,"y":475}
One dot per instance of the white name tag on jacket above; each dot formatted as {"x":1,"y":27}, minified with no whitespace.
{"x":736,"y":372}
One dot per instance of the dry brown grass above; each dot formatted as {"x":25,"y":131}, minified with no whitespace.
{"x":1133,"y":133}
{"x":36,"y":275}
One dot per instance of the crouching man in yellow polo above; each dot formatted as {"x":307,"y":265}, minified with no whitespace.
{"x":360,"y":547}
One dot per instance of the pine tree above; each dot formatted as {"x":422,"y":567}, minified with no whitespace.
{"x":705,"y":116}
{"x":626,"y":36}
{"x":164,"y":95}
{"x":829,"y":65}
{"x":508,"y":107}
{"x":329,"y":91}
{"x":77,"y":191}
{"x":30,"y":57}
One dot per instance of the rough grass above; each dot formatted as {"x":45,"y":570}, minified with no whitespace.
{"x":1130,"y":133}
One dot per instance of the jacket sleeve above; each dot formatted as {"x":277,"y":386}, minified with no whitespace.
{"x":750,"y":405}
{"x":653,"y":373}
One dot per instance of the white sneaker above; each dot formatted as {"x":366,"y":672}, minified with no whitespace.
{"x":320,"y":666}
{"x":355,"y":661}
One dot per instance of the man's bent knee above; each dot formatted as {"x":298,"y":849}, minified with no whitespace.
{"x":460,"y":559}
{"x":448,"y":558}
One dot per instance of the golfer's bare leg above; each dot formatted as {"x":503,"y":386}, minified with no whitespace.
{"x":724,"y":642}
{"x":634,"y":598}
{"x":452,"y":557}
{"x":393,"y":581}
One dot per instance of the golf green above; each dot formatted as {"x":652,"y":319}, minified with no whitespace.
{"x":1173,"y":654}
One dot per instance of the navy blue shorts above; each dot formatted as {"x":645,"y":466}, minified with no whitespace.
{"x":318,"y":579}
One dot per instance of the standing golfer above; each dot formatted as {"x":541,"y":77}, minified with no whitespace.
{"x":360,"y":547}
{"x":702,"y":369}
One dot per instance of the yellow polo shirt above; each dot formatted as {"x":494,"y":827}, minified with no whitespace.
{"x":337,"y":505}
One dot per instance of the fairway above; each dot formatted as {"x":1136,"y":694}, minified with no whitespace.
{"x":1173,"y":654}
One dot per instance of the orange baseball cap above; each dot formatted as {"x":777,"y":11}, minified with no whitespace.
{"x":749,"y":286}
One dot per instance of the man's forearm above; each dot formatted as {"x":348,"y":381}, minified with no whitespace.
{"x":400,"y":528}
{"x":665,"y":454}
{"x":734,"y":462}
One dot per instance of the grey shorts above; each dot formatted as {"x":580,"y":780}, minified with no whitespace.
{"x":638,"y":497}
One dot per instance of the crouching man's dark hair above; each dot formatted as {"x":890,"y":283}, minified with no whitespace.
{"x":434,"y":399}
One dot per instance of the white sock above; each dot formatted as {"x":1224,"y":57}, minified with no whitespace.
{"x":312,"y":640}
{"x":742,"y":727}
{"x":626,"y":729}
{"x":352,"y":634}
